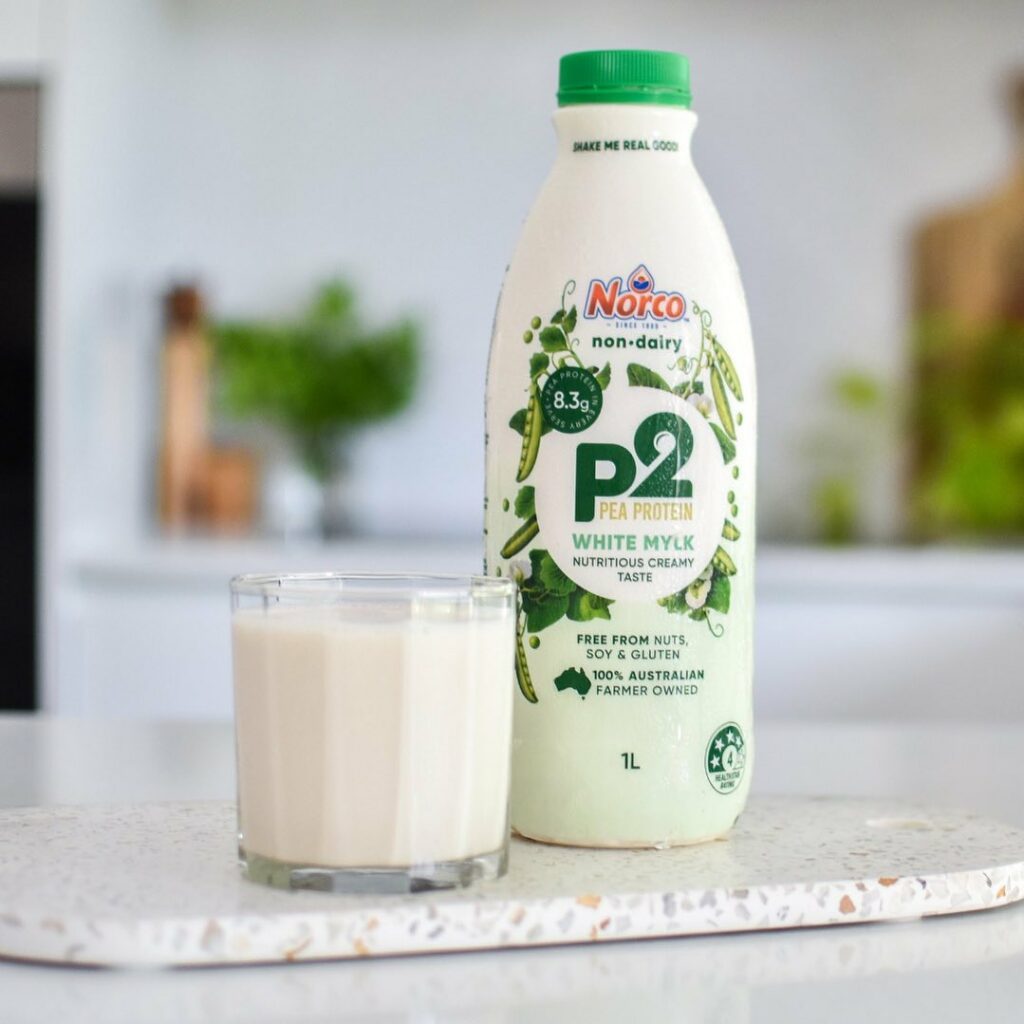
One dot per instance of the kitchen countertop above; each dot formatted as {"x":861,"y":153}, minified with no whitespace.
{"x":948,"y":969}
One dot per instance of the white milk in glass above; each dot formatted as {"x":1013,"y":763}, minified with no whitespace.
{"x":369,"y":738}
{"x":620,"y":475}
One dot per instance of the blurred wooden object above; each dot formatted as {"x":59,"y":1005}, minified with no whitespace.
{"x":184,"y":428}
{"x":969,"y":261}
{"x":968,"y":314}
{"x":201,"y":485}
{"x":231,"y":478}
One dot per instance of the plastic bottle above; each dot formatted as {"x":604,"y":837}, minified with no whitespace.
{"x":620,"y":475}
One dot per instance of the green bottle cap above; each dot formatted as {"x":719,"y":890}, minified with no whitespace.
{"x":624,"y":76}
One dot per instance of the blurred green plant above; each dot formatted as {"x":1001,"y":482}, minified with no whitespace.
{"x":836,"y":510}
{"x":318,"y":377}
{"x":860,"y":424}
{"x":858,"y":391}
{"x":968,"y":427}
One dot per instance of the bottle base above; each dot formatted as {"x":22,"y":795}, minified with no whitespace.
{"x":622,"y":844}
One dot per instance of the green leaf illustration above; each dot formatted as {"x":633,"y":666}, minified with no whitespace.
{"x":551,"y":577}
{"x":558,"y":317}
{"x":539,"y":362}
{"x":642,"y":376}
{"x":518,"y":421}
{"x":604,"y":378}
{"x":569,"y":321}
{"x":524,"y":505}
{"x":718,"y":595}
{"x":544,"y":611}
{"x":584,"y":606}
{"x":675,"y":603}
{"x":552,"y":339}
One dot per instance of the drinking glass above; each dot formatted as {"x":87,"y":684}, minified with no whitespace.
{"x":373,"y":725}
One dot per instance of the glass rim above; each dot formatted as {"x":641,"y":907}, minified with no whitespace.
{"x":410,"y":585}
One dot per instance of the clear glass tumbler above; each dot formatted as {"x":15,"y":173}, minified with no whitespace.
{"x":373,"y":729}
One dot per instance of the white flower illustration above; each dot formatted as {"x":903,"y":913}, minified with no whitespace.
{"x":697,"y":593}
{"x":519,"y":569}
{"x":702,"y":403}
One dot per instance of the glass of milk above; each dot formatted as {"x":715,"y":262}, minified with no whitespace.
{"x":373,"y":725}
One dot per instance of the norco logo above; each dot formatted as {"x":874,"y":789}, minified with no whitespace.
{"x":634,"y":300}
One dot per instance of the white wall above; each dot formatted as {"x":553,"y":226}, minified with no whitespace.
{"x":265,"y":145}
{"x":20,"y":38}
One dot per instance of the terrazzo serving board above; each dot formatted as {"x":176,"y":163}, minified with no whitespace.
{"x":158,"y":885}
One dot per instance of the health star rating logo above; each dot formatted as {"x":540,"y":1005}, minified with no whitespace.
{"x":726,"y":758}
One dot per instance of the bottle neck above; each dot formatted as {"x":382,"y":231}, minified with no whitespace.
{"x":630,"y":130}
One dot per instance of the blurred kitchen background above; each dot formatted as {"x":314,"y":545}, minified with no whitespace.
{"x":249,"y":257}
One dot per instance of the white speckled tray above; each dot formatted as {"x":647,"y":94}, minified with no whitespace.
{"x":157,"y":884}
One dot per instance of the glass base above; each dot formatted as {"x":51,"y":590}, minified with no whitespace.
{"x":447,"y":874}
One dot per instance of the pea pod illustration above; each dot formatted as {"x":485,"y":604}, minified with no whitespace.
{"x":730,"y":531}
{"x":723,"y":563}
{"x":531,"y":434}
{"x":520,"y":538}
{"x":728,"y":368}
{"x":722,"y":403}
{"x":523,"y":671}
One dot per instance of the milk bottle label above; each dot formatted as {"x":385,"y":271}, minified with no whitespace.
{"x":628,"y":446}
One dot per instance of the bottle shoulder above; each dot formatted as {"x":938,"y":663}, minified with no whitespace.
{"x":584,"y":205}
{"x":603,"y":221}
